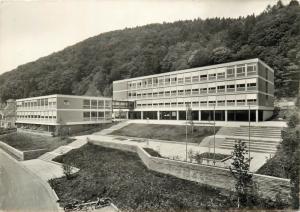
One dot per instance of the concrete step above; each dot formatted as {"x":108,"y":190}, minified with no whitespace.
{"x":253,"y":149}
{"x":253,"y":142}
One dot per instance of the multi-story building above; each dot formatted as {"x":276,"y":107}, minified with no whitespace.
{"x":227,"y":90}
{"x":62,"y":112}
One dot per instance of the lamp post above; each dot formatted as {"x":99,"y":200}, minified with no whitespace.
{"x":186,"y":133}
{"x":249,"y":119}
{"x":214,"y":134}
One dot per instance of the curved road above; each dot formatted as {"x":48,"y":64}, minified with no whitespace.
{"x":21,"y":190}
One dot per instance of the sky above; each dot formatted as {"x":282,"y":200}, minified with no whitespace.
{"x":33,"y":29}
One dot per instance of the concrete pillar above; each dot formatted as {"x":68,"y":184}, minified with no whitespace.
{"x":142,"y":115}
{"x":177,"y":115}
{"x":199,"y":115}
{"x":158,"y":115}
{"x":226,"y":116}
{"x":256,"y":115}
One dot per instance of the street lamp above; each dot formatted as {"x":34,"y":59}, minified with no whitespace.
{"x":249,"y":118}
{"x":186,"y":110}
{"x":214,"y":134}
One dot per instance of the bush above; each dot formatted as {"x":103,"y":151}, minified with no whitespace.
{"x":293,"y":120}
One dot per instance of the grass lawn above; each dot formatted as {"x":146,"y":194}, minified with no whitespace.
{"x":166,"y":132}
{"x":26,"y":141}
{"x":123,"y":177}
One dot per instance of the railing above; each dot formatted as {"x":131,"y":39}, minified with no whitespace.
{"x":230,"y":89}
{"x":240,"y":89}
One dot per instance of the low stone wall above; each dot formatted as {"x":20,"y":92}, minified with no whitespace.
{"x":213,"y":176}
{"x":22,"y":155}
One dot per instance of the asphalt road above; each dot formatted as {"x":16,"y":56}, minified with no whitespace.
{"x":21,"y":190}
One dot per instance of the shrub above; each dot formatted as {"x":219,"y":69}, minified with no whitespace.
{"x":293,"y":120}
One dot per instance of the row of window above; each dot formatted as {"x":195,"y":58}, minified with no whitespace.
{"x":196,"y":91}
{"x":96,"y":104}
{"x":35,"y":117}
{"x":36,"y":103}
{"x":231,"y":72}
{"x":239,"y":102}
{"x":96,"y":115}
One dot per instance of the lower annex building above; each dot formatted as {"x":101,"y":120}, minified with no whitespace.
{"x":62,"y":114}
{"x":227,"y":90}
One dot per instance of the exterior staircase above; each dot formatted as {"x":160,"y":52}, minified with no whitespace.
{"x":262,"y":139}
{"x":48,"y":156}
{"x":112,"y":128}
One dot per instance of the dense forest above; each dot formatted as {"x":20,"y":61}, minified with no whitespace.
{"x":89,"y":67}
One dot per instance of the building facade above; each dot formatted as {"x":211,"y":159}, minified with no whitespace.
{"x":54,"y":112}
{"x":223,"y":92}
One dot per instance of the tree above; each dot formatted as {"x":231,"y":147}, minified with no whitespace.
{"x":240,"y":171}
{"x":190,"y":118}
{"x":67,"y":169}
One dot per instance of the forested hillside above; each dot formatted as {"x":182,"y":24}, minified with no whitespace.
{"x":89,"y":67}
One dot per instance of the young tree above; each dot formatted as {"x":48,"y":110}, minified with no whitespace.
{"x":240,"y":171}
{"x":67,"y":169}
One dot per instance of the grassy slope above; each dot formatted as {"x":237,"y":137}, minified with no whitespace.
{"x":123,"y":177}
{"x":24,"y":141}
{"x":165,"y":132}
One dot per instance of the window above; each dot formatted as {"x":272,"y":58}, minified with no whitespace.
{"x":161,"y":81}
{"x":251,"y":86}
{"x":187,"y":80}
{"x":180,"y":104}
{"x":173,"y":80}
{"x":230,"y":102}
{"x":167,"y":104}
{"x":230,"y":72}
{"x":173,"y":93}
{"x":167,"y":80}
{"x":203,"y":103}
{"x":180,"y":92}
{"x":195,"y":78}
{"x":94,"y":103}
{"x":100,"y":114}
{"x":167,"y":93}
{"x":240,"y":70}
{"x":86,"y":115}
{"x":173,"y":104}
{"x":212,"y":76}
{"x":180,"y":80}
{"x":66,"y":102}
{"x":251,"y":101}
{"x":155,"y":81}
{"x":251,"y":69}
{"x":212,"y":103}
{"x":155,"y":94}
{"x":188,"y":92}
{"x":212,"y":90}
{"x":230,"y":88}
{"x":161,"y":94}
{"x":221,"y":75}
{"x":195,"y":104}
{"x":221,"y":88}
{"x":203,"y":90}
{"x":195,"y":91}
{"x":203,"y":77}
{"x":107,"y":103}
{"x":221,"y":103}
{"x":150,"y":95}
{"x":100,"y":103}
{"x":240,"y":102}
{"x":240,"y":87}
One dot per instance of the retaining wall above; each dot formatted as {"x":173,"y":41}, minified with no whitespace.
{"x":213,"y":176}
{"x":22,"y":155}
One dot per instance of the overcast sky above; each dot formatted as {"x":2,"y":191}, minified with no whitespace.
{"x":32,"y":29}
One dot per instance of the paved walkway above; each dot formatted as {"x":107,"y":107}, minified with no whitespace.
{"x":21,"y":190}
{"x":176,"y":150}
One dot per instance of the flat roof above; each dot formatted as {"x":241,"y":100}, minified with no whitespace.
{"x":63,"y":95}
{"x":201,"y":68}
